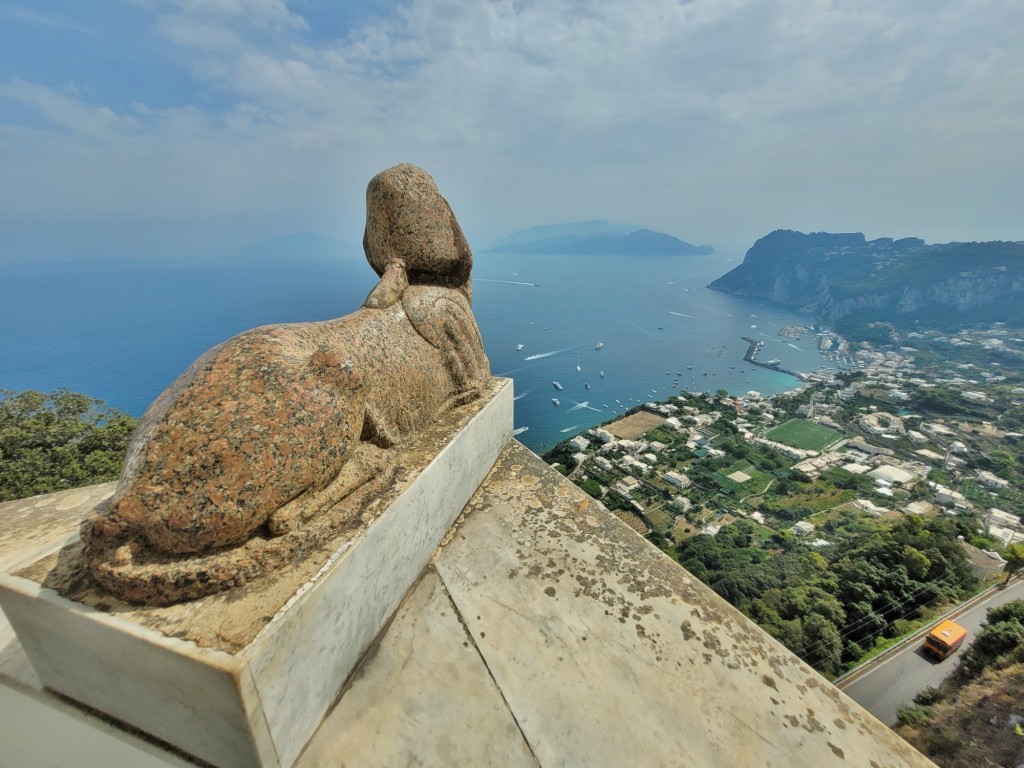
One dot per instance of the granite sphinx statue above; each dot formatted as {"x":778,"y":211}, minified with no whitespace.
{"x":275,"y":440}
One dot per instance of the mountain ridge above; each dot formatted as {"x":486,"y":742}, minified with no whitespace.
{"x":848,"y":281}
{"x":595,"y":237}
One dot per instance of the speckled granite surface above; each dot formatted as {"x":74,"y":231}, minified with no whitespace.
{"x":276,"y":439}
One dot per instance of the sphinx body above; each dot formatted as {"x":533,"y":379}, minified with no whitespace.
{"x":272,"y":440}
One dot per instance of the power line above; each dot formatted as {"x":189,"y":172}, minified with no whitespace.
{"x":849,"y":630}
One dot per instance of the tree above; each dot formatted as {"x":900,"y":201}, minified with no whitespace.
{"x":51,"y":442}
{"x":1014,"y":557}
{"x":823,"y":646}
{"x":592,"y":488}
{"x":993,"y":642}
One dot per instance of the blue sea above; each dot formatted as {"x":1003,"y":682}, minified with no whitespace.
{"x":121,"y":332}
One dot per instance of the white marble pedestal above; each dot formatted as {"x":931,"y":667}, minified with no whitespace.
{"x":258,"y":706}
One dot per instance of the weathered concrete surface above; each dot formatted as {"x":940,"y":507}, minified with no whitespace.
{"x":29,"y":527}
{"x":600,"y":651}
{"x":294,"y":637}
{"x":610,"y":654}
{"x":423,"y":697}
{"x":37,"y":728}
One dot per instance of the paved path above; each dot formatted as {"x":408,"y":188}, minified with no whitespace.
{"x":894,"y":682}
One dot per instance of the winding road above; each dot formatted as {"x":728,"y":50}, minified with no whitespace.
{"x":894,"y":681}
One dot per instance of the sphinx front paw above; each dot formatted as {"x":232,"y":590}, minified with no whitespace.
{"x":392,"y":285}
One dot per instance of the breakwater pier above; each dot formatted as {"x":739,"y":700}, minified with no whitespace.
{"x":751,"y":357}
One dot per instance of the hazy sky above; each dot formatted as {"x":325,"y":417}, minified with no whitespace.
{"x":149,"y":126}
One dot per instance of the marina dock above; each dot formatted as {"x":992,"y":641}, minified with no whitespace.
{"x":751,"y":357}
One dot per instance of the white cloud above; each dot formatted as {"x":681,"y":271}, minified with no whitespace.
{"x":712,"y":119}
{"x":259,"y":12}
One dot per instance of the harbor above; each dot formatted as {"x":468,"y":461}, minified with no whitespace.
{"x":772,"y":365}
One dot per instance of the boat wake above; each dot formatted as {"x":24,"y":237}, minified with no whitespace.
{"x":585,"y":404}
{"x":507,"y":282}
{"x":519,"y":431}
{"x":546,"y":354}
{"x":570,"y":429}
{"x":790,"y":344}
{"x":644,"y":330}
{"x":520,"y":397}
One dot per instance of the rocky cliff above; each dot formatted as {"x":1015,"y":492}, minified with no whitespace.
{"x":846,"y":279}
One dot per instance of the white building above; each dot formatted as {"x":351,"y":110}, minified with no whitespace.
{"x":887,"y":473}
{"x":1005,"y":519}
{"x":677,"y":479}
{"x":919,"y":508}
{"x":626,"y":485}
{"x":864,"y":505}
{"x":803,"y":528}
{"x":579,"y":442}
{"x":990,"y":480}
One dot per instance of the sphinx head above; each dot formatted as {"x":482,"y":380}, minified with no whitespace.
{"x":408,"y":219}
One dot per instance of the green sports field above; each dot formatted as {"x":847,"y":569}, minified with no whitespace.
{"x":804,"y":434}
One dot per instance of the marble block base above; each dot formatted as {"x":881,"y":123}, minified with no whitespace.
{"x":258,"y":704}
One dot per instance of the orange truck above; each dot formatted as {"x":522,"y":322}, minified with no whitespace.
{"x":944,"y":639}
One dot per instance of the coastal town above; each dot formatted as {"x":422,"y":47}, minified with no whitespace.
{"x":924,"y":425}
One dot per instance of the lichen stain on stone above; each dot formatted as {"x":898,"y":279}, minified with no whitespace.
{"x":813,"y":725}
{"x":839,"y":723}
{"x":549,"y":591}
{"x":838,"y":752}
{"x":770,"y":682}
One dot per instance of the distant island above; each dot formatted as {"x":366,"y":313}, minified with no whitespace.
{"x":596,"y":238}
{"x":850,"y":282}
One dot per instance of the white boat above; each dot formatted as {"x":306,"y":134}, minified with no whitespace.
{"x":602,"y":374}
{"x":519,"y":431}
{"x":519,"y":346}
{"x":578,"y":369}
{"x":556,"y":385}
{"x":587,"y":386}
{"x":599,"y":345}
{"x":555,"y":401}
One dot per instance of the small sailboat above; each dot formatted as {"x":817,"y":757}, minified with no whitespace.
{"x":578,"y":369}
{"x":556,"y":385}
{"x":519,"y":347}
{"x":555,"y":401}
{"x":599,"y":345}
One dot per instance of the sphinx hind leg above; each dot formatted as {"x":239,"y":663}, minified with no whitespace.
{"x":442,"y":316}
{"x":368,"y":470}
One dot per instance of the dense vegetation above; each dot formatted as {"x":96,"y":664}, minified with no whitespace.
{"x":51,"y":442}
{"x":831,"y":609}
